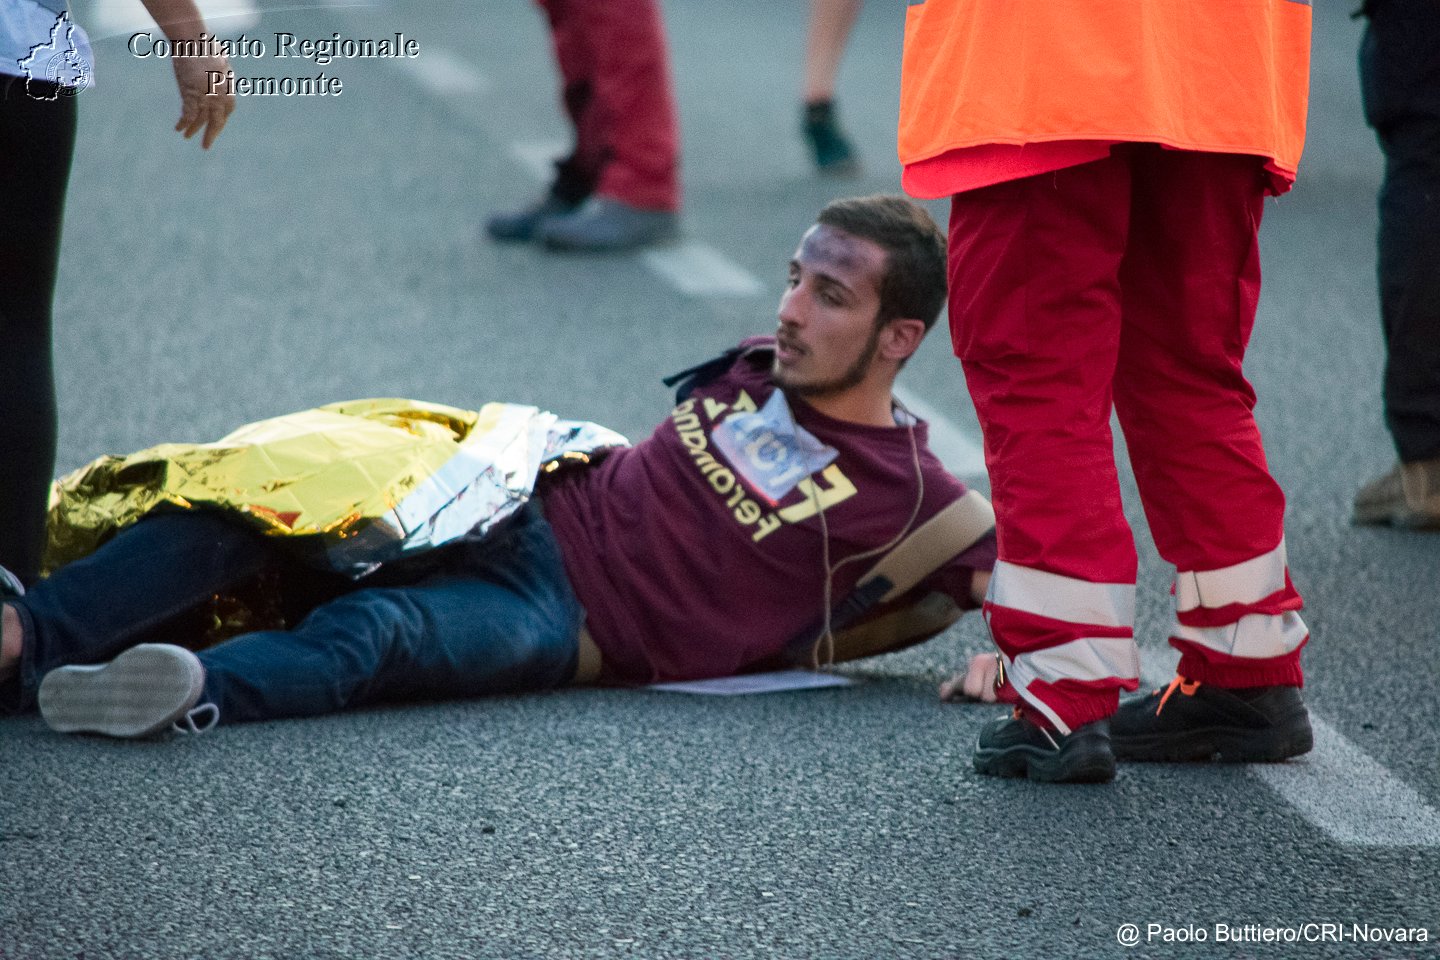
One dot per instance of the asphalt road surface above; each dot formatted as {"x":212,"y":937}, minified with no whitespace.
{"x":329,"y":248}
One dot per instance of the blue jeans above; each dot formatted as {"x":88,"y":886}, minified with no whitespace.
{"x":474,"y":618}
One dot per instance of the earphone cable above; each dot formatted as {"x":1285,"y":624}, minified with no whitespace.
{"x":827,"y":636}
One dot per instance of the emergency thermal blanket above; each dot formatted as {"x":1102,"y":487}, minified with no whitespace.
{"x":356,"y":484}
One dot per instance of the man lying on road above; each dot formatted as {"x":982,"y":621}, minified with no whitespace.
{"x":732,"y":539}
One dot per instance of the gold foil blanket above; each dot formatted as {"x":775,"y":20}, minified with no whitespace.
{"x":364,"y":481}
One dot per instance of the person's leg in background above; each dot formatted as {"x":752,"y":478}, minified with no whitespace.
{"x":1035,"y":319}
{"x":1191,"y":283}
{"x":619,"y":188}
{"x":577,"y":174}
{"x":37,"y":139}
{"x":826,"y":36}
{"x":1400,"y":83}
{"x":637,"y":197}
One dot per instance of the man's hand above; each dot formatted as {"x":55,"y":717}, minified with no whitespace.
{"x":201,"y":109}
{"x":976,"y":683}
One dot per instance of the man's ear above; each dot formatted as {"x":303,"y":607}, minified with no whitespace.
{"x":901,"y":337}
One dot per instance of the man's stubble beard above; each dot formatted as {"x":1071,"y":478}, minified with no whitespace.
{"x":850,"y":378}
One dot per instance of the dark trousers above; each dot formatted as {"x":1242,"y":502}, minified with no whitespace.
{"x":1400,"y":83}
{"x":37,"y":139}
{"x":495,"y":616}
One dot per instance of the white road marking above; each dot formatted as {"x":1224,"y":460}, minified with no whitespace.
{"x":108,"y":18}
{"x":1350,"y":796}
{"x":697,"y":270}
{"x":962,"y":455}
{"x":1336,"y":786}
{"x":444,"y":73}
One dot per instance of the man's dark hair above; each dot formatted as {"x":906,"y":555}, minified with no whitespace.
{"x":913,"y":284}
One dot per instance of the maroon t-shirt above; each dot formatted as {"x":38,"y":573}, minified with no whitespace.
{"x":698,"y":552}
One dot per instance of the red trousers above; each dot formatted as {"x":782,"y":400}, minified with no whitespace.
{"x":618,"y":94}
{"x":1129,"y":283}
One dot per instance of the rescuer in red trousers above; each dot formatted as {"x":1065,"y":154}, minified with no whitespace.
{"x":1107,"y":166}
{"x":620,"y":186}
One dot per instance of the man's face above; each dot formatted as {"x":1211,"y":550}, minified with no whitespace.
{"x":828,"y":335}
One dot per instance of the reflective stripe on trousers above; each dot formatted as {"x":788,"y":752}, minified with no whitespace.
{"x":1055,"y":632}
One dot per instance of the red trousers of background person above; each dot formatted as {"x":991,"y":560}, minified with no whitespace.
{"x":1128,"y":283}
{"x":619,"y":96}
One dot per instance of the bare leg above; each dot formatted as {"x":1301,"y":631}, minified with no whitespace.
{"x":828,"y":33}
{"x":830,"y":24}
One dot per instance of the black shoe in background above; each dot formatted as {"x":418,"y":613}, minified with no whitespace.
{"x":1194,"y":721}
{"x":1016,"y":747}
{"x":831,"y":149}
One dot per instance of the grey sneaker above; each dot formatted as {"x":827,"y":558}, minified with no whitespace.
{"x":1408,"y":497}
{"x":146,"y":690}
{"x":604,"y":225}
{"x":521,"y":226}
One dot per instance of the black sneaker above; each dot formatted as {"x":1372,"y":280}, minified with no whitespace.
{"x":1016,"y":747}
{"x":1205,"y":722}
{"x":834,"y":156}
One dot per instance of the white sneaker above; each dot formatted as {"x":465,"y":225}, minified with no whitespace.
{"x":142,"y":692}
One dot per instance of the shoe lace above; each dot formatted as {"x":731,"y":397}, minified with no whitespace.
{"x":198,"y":720}
{"x":1187,"y":687}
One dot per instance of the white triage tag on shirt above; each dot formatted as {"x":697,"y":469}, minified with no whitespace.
{"x":769,"y":449}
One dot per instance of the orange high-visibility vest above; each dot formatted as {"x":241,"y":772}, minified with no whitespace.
{"x":1226,"y":76}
